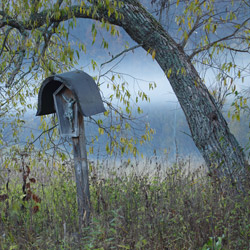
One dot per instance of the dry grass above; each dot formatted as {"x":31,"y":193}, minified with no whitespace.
{"x":133,"y":207}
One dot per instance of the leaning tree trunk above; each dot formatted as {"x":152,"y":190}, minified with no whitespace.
{"x":221,"y":151}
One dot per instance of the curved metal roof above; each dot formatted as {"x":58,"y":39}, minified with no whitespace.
{"x":81,"y":84}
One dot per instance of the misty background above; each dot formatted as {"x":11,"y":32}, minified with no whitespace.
{"x":171,"y":133}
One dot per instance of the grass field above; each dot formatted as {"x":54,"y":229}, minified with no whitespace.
{"x":135,"y":205}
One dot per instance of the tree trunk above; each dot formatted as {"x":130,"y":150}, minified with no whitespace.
{"x":221,"y":151}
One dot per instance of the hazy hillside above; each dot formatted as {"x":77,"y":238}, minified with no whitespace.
{"x":172,"y":135}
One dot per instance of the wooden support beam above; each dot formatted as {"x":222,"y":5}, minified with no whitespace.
{"x":81,"y":173}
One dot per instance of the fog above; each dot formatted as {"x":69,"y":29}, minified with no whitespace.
{"x":138,"y":69}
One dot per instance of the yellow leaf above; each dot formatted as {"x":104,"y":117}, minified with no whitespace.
{"x":107,"y":148}
{"x":169,"y":72}
{"x":153,"y":54}
{"x":101,"y":131}
{"x":28,"y":43}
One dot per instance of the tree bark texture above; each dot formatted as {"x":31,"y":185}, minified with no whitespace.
{"x":221,"y":151}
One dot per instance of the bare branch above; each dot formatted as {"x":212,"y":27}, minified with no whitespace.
{"x":123,"y":52}
{"x":246,"y":3}
{"x":45,"y":131}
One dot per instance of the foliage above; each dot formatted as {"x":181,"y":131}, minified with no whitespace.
{"x":135,"y":205}
{"x":32,"y":49}
{"x":213,"y":244}
{"x":37,"y":39}
{"x":215,"y":35}
{"x":173,"y":209}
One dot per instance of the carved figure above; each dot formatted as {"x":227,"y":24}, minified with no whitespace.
{"x":69,"y":111}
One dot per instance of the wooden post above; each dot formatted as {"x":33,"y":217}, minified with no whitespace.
{"x":81,"y":172}
{"x":71,"y":95}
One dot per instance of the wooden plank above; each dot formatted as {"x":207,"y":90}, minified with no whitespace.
{"x":81,"y":172}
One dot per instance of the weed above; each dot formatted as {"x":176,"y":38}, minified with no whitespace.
{"x":133,"y":207}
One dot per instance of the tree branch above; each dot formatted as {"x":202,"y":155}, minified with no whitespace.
{"x":8,"y":20}
{"x":210,"y":45}
{"x":123,"y":52}
{"x":43,"y":133}
{"x":5,"y":39}
{"x":19,"y":61}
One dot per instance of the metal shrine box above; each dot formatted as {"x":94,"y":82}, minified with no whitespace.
{"x":69,"y":95}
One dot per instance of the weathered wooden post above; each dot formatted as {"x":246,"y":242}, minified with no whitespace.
{"x":71,"y":96}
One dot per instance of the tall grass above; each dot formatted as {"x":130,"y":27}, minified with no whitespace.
{"x":175,"y":207}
